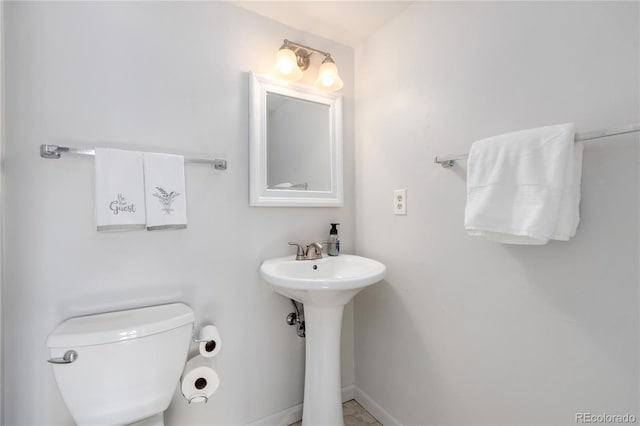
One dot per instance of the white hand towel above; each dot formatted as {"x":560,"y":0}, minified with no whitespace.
{"x":119,"y":190}
{"x":524,"y":187}
{"x":165,"y":192}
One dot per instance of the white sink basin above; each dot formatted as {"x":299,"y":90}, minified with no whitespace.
{"x":324,"y":286}
{"x":330,"y":281}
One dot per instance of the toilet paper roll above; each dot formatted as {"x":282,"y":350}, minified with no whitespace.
{"x":199,"y":380}
{"x":211,"y":344}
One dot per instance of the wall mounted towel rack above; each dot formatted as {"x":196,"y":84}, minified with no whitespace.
{"x":450,"y":160}
{"x":54,"y":151}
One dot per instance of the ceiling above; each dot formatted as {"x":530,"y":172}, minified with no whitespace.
{"x":347,"y":22}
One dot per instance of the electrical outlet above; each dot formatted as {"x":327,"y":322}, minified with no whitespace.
{"x":400,"y":202}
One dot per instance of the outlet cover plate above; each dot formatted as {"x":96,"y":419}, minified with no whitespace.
{"x":400,"y":202}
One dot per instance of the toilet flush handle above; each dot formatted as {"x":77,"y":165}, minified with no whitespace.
{"x":68,"y":357}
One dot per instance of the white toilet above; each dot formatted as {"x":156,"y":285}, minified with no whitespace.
{"x":123,"y":367}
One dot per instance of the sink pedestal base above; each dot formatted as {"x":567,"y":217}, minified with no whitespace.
{"x":324,"y":286}
{"x":322,"y":388}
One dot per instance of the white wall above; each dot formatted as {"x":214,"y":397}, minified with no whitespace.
{"x":164,"y":76}
{"x":464,"y":331}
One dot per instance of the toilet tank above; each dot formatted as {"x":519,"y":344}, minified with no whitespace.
{"x":128,"y":364}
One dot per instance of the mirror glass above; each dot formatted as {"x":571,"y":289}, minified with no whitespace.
{"x":295,"y":145}
{"x":298,"y":140}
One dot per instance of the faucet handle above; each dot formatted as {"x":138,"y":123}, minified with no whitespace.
{"x":300,"y":255}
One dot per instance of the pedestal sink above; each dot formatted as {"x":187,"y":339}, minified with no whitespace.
{"x":324,"y":286}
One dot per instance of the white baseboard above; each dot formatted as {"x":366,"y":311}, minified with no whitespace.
{"x":283,"y":418}
{"x":374,"y":409}
{"x":294,"y":414}
{"x":348,"y":393}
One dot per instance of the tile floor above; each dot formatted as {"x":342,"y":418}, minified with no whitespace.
{"x":354,"y":415}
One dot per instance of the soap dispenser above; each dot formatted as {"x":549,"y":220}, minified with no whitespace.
{"x":333,"y":245}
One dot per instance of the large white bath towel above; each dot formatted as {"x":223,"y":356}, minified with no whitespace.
{"x":165,"y":191}
{"x":524,"y":187}
{"x":119,"y":190}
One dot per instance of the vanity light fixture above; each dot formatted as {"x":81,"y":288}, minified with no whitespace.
{"x":294,"y":58}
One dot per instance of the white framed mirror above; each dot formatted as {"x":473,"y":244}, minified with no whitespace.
{"x":295,"y":145}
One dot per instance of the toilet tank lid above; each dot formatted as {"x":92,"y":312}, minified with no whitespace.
{"x":121,"y":325}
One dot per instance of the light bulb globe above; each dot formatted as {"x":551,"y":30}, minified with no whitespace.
{"x":287,"y":65}
{"x":328,"y":78}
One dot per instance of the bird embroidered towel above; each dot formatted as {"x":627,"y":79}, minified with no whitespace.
{"x":166,"y":202}
{"x":120,"y":204}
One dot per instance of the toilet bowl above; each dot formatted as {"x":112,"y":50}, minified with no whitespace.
{"x":121,"y":368}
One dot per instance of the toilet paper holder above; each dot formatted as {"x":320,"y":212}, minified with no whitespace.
{"x":206,"y":398}
{"x":210,"y":345}
{"x":199,"y":380}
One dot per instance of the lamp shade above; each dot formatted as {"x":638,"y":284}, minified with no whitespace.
{"x":287,"y":65}
{"x":328,"y":78}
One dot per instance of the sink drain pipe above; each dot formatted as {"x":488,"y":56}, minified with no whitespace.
{"x":297,"y":318}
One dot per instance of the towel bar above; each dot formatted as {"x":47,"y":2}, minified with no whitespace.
{"x":55,"y":151}
{"x":450,"y":160}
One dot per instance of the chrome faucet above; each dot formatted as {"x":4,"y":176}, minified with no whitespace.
{"x":317,"y":251}
{"x":312,"y":252}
